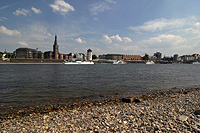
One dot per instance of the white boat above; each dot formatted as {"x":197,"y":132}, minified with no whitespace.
{"x":149,"y":62}
{"x":195,"y":62}
{"x":78,"y":62}
{"x":119,"y":62}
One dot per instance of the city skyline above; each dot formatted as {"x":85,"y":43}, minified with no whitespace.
{"x":108,"y":26}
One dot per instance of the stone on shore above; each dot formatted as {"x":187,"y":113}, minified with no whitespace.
{"x":159,"y":113}
{"x":197,"y":112}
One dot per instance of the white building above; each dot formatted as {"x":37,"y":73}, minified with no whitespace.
{"x":89,"y":54}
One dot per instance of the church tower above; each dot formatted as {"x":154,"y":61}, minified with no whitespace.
{"x":55,"y":49}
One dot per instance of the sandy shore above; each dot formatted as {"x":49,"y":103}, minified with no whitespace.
{"x":169,"y":111}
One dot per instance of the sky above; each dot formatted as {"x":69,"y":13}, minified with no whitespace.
{"x":132,"y":27}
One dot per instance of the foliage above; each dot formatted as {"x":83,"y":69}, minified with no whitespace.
{"x":145,"y":57}
{"x":39,"y":55}
{"x":46,"y":56}
{"x":94,"y":56}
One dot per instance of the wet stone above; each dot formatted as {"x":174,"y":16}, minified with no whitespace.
{"x":159,"y":112}
{"x":197,"y":112}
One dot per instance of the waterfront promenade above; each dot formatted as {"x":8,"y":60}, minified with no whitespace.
{"x":175,"y":110}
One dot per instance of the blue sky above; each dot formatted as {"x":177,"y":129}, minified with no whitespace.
{"x":106,"y":26}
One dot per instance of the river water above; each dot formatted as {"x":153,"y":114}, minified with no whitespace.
{"x":22,"y":85}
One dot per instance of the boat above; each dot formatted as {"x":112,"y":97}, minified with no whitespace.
{"x":149,"y":62}
{"x":78,"y":62}
{"x":195,"y":62}
{"x":119,"y":62}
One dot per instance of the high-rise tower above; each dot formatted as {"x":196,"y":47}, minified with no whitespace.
{"x":55,"y":49}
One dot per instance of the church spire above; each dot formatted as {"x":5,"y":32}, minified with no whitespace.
{"x":55,"y":42}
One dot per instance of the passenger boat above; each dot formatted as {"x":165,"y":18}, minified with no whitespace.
{"x":149,"y":62}
{"x":119,"y":62}
{"x":78,"y":62}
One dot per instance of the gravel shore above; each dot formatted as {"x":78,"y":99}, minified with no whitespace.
{"x":169,"y":111}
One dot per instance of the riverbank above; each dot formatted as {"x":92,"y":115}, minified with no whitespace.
{"x":168,"y":111}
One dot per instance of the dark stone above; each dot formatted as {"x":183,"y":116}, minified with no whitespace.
{"x":197,"y":112}
{"x":127,"y":100}
{"x":138,"y":100}
{"x":184,"y":92}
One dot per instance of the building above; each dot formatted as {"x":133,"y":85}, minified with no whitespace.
{"x":131,"y":57}
{"x":48,"y":55}
{"x":80,"y":56}
{"x":55,"y":53}
{"x":175,"y":58}
{"x":167,"y":58}
{"x":55,"y":49}
{"x":196,"y":57}
{"x":158,"y":55}
{"x":26,"y":53}
{"x":89,"y":54}
{"x":120,"y":57}
{"x":111,"y":57}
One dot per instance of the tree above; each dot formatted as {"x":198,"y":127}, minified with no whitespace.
{"x":94,"y":56}
{"x":146,"y":57}
{"x":8,"y":55}
{"x":1,"y":54}
{"x":46,"y":56}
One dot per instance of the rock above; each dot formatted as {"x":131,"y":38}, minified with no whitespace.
{"x":197,"y":112}
{"x":183,"y":118}
{"x":118,"y":100}
{"x":127,"y":100}
{"x":138,"y":100}
{"x":173,"y":96}
{"x":45,"y":116}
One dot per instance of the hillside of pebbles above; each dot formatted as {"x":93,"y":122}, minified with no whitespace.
{"x":169,"y":111}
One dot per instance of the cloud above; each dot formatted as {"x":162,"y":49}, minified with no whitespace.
{"x":124,"y":49}
{"x":164,"y":41}
{"x":111,"y":1}
{"x":106,"y":39}
{"x":23,"y":43}
{"x":37,"y":11}
{"x":3,"y":18}
{"x":8,"y":32}
{"x":195,"y":29}
{"x":61,"y":6}
{"x":127,"y":40}
{"x":99,"y":7}
{"x":115,"y":38}
{"x":162,"y":24}
{"x":22,"y":12}
{"x":4,"y":7}
{"x":79,"y":40}
{"x":48,"y":34}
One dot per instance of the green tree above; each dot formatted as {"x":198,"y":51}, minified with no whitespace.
{"x":46,"y":56}
{"x":1,"y":54}
{"x":8,"y":55}
{"x":39,"y":55}
{"x":145,"y":57}
{"x":94,"y":56}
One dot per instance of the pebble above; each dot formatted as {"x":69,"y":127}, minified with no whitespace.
{"x":168,"y":111}
{"x":183,"y":118}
